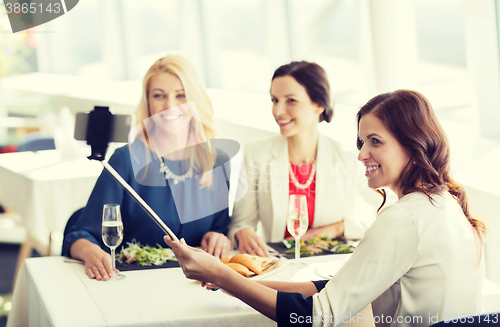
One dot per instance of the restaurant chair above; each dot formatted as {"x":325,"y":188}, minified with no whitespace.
{"x":72,"y":220}
{"x":485,"y":319}
{"x":36,"y":142}
{"x":32,"y":142}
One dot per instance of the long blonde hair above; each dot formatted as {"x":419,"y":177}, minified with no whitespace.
{"x":202,"y":158}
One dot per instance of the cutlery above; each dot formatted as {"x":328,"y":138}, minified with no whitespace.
{"x":68,"y":260}
{"x":274,"y":252}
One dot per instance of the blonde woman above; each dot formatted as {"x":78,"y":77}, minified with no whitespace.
{"x":170,"y":165}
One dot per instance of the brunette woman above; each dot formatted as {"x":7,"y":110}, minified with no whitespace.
{"x":300,"y":161}
{"x":420,"y":259}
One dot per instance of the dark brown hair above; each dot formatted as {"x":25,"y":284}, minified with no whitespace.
{"x":313,"y":78}
{"x":409,"y":116}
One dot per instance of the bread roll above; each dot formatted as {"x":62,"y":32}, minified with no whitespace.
{"x":225,"y":260}
{"x":239,"y":268}
{"x":248,"y":261}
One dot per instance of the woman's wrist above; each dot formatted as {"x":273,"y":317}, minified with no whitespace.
{"x":221,"y":275}
{"x":340,"y":228}
{"x":334,"y":230}
{"x":208,"y":233}
{"x":77,"y":249}
{"x":83,"y":249}
{"x":242,"y":232}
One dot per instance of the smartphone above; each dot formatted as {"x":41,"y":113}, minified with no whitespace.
{"x":119,"y":129}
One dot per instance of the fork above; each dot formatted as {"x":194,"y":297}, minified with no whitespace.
{"x":275,"y":252}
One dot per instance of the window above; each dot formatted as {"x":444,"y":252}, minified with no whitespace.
{"x":150,"y":32}
{"x":442,"y":70}
{"x":327,"y":32}
{"x":71,"y":43}
{"x":235,"y":43}
{"x":17,"y":53}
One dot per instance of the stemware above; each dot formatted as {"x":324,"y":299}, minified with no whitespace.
{"x":112,"y":232}
{"x":297,"y":220}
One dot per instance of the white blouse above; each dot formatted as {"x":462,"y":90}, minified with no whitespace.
{"x":417,"y":264}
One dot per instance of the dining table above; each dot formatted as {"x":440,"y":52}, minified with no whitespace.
{"x":55,"y":291}
{"x":45,"y":188}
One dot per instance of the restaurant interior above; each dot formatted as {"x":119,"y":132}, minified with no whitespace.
{"x":97,"y":53}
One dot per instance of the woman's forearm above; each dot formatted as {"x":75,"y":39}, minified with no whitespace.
{"x":262,"y":295}
{"x":305,"y":288}
{"x":77,"y":249}
{"x":334,"y":230}
{"x":258,"y":296}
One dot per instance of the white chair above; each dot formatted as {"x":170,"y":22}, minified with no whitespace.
{"x":481,"y":183}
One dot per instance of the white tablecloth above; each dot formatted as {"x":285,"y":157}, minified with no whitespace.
{"x":45,"y":189}
{"x":51,"y":292}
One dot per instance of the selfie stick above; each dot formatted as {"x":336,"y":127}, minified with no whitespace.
{"x":99,"y":129}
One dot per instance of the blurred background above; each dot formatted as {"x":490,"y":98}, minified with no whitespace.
{"x":446,"y":49}
{"x":97,"y":54}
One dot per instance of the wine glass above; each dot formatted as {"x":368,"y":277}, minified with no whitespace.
{"x":112,"y":232}
{"x":297,"y":220}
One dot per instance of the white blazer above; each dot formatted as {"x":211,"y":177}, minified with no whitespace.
{"x":342,"y":192}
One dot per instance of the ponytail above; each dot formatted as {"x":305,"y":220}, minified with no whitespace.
{"x":458,"y":192}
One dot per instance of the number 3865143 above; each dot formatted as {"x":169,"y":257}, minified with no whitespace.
{"x":33,"y":8}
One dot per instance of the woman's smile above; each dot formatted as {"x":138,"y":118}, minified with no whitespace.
{"x":284,"y":122}
{"x":170,"y":117}
{"x":371,"y":169}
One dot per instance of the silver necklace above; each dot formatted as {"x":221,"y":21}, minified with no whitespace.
{"x":309,"y":179}
{"x":170,"y":175}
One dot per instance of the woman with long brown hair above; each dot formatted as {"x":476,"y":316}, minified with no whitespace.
{"x":419,"y":262}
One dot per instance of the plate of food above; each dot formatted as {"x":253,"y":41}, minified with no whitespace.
{"x":252,"y":266}
{"x":319,"y":245}
{"x":343,"y":248}
{"x":136,"y":257}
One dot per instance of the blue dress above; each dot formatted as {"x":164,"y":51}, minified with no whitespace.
{"x":187,"y":210}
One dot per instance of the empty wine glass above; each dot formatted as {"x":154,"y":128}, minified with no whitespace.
{"x":112,"y":232}
{"x":297,"y":220}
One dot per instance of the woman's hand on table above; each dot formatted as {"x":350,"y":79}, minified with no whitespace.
{"x":216,"y":244}
{"x":249,"y":242}
{"x":334,"y":230}
{"x":97,"y":261}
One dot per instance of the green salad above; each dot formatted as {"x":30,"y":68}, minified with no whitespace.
{"x":344,"y":249}
{"x":318,"y":244}
{"x":145,"y":255}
